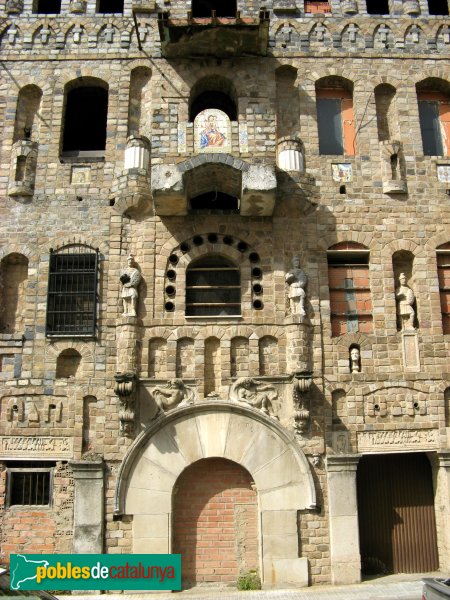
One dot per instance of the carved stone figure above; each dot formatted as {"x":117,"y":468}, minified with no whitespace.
{"x":355,"y":359}
{"x":130,"y":279}
{"x":171,"y":395}
{"x":257,"y":395}
{"x":297,"y":280}
{"x":405,"y":303}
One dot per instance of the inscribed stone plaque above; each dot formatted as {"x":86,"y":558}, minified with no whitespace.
{"x":395,"y":440}
{"x":212,"y":131}
{"x":17,"y":446}
{"x":410,"y":351}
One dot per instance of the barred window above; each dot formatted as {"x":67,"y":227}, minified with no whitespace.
{"x":213,"y":288}
{"x":72,"y":291}
{"x":29,"y":484}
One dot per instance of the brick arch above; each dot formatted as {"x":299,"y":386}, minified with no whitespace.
{"x":348,"y":75}
{"x":84,"y":349}
{"x":276,"y":26}
{"x":93,"y":243}
{"x":437,"y":240}
{"x":157,"y":332}
{"x":71,"y":75}
{"x":183,"y":332}
{"x":437,"y":73}
{"x":68,"y":30}
{"x":339,"y":237}
{"x":387,"y":250}
{"x":22,"y":249}
{"x":368,"y":390}
{"x":363,"y":340}
{"x":270,"y":454}
{"x":269,"y":330}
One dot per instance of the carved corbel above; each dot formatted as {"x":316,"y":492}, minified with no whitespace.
{"x":125,"y":388}
{"x":301,"y":385}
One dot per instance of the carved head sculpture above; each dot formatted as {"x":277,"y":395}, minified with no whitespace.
{"x":354,"y":354}
{"x":402,"y":279}
{"x":130,"y":260}
{"x":295,"y":262}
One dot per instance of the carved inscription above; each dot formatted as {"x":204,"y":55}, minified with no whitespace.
{"x":35,"y":447}
{"x":405,"y":439}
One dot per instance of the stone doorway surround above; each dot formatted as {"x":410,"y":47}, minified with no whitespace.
{"x":246,"y":436}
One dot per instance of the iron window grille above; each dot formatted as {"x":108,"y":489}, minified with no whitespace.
{"x":72,"y":292}
{"x":213,"y":288}
{"x":31,"y":484}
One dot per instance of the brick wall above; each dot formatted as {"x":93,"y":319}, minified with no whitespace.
{"x":215,"y":522}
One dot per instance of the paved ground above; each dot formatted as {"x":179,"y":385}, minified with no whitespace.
{"x":395,"y":587}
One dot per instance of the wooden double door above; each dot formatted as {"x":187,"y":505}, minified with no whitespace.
{"x":397,"y":525}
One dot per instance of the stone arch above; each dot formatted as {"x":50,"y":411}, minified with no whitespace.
{"x":338,"y":237}
{"x":243,"y":435}
{"x":92,"y":243}
{"x":388,"y":249}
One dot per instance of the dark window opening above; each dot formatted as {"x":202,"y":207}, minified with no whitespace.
{"x":72,"y":294}
{"x":85,"y":119}
{"x":110,"y":6}
{"x":430,"y":128}
{"x":223,"y":8}
{"x":218,"y":100}
{"x":330,"y":126}
{"x":215,"y":201}
{"x":377,"y":7}
{"x":438,"y":7}
{"x":29,"y":484}
{"x":213,"y":288}
{"x":47,"y":7}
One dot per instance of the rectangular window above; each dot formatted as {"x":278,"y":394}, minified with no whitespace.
{"x":110,"y":6}
{"x":438,"y":7}
{"x":443,"y":264}
{"x":29,"y":484}
{"x":350,"y":298}
{"x":47,"y":7}
{"x":430,"y":128}
{"x":335,"y":122}
{"x":72,"y":294}
{"x":377,"y":7}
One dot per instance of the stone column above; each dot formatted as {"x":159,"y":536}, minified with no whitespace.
{"x":343,"y":510}
{"x":443,"y":509}
{"x":299,"y":349}
{"x":88,"y":506}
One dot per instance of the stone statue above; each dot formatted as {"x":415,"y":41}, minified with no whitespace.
{"x":171,"y":395}
{"x":297,"y":280}
{"x":355,"y":355}
{"x":130,"y":279}
{"x":257,"y":395}
{"x":405,"y":303}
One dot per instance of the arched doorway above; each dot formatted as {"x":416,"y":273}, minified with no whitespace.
{"x":242,"y":436}
{"x":215,"y":522}
{"x":396,"y":514}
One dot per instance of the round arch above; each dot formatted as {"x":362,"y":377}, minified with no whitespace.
{"x":279,"y":468}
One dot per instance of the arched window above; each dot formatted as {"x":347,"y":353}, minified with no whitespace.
{"x":72,"y":291}
{"x":213,"y":287}
{"x":348,"y":278}
{"x":433,"y":96}
{"x":335,"y":119}
{"x":443,"y":265}
{"x":84,"y":126}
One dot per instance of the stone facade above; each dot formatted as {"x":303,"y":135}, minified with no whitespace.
{"x":276,"y":392}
